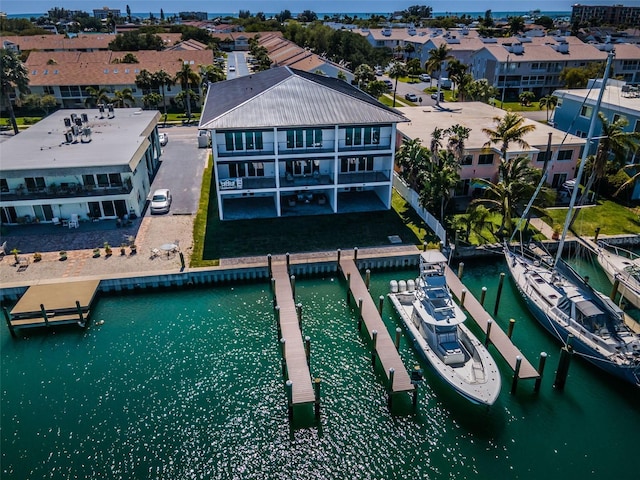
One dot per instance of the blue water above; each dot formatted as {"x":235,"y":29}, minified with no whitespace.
{"x":188,"y":384}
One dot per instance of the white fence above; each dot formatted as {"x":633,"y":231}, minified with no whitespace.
{"x":414,"y":200}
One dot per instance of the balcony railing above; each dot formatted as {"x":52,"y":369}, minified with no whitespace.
{"x":364,"y":177}
{"x":70,"y":192}
{"x":320,"y":147}
{"x":289,"y":180}
{"x":267,"y":149}
{"x":383,"y":144}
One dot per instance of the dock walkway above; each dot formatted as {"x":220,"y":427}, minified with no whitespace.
{"x":498,"y":338}
{"x":294,"y":352}
{"x":385,"y":348}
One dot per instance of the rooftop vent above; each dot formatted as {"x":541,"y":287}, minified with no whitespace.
{"x":517,"y":49}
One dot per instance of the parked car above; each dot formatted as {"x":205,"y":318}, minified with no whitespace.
{"x":378,"y":70}
{"x":232,"y":68}
{"x":435,"y":96}
{"x":423,"y":77}
{"x":164,"y":139}
{"x":388,"y":83}
{"x":161,"y":201}
{"x":445,"y":82}
{"x":412,"y":97}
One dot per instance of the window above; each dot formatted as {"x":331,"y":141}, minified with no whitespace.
{"x":314,"y":138}
{"x":544,"y":156}
{"x":371,"y":135}
{"x":233,"y":141}
{"x":34,"y":184}
{"x":586,"y":111}
{"x":467,"y":160}
{"x":4,"y":186}
{"x":356,"y":164}
{"x":616,"y":117}
{"x":254,"y":140}
{"x":565,"y":154}
{"x":89,"y":180}
{"x":115,"y":180}
{"x":295,"y":138}
{"x":485,"y":159}
{"x":637,"y":127}
{"x":353,"y":136}
{"x":558,"y":179}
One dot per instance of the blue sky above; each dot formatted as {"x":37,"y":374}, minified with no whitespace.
{"x":324,"y":6}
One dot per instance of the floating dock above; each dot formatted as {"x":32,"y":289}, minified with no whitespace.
{"x":294,"y":354}
{"x":52,"y":304}
{"x":384,"y":348}
{"x":497,"y":337}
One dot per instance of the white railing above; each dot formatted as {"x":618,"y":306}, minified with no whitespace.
{"x":413,"y":199}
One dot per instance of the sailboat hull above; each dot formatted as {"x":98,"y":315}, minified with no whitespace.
{"x":615,"y":266}
{"x":597,"y":348}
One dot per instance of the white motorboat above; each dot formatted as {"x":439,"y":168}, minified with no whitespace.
{"x":622,"y":265}
{"x":435,"y":323}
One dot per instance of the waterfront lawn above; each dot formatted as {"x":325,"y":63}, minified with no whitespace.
{"x":611,"y":217}
{"x":214,"y":239}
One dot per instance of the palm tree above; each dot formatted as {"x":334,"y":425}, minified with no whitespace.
{"x":152,"y":99}
{"x":13,"y":75}
{"x":412,"y":158}
{"x":396,"y":71}
{"x":363,"y":74}
{"x":456,"y":71}
{"x":437,"y":57}
{"x":186,"y":78}
{"x":458,"y":135}
{"x":211,"y":74}
{"x":510,"y":194}
{"x":439,"y":182}
{"x":124,"y":98}
{"x":548,"y":101}
{"x":144,"y":81}
{"x":613,"y":149}
{"x":509,"y":129}
{"x":96,"y":96}
{"x":162,"y":79}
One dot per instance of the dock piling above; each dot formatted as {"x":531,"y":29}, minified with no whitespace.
{"x":483,"y":295}
{"x":392,"y":373}
{"x":462,"y":295}
{"x":44,"y":315}
{"x":367,"y":278}
{"x":316,"y":390}
{"x":614,"y":289}
{"x":563,"y":367}
{"x":293,"y":286}
{"x":543,"y":361}
{"x":495,"y":310}
{"x":307,"y":349}
{"x":299,"y":313}
{"x":355,"y":255}
{"x":7,"y":317}
{"x":269,"y":263}
{"x":512,"y":323}
{"x":276,"y":314}
{"x":359,"y":313}
{"x":339,"y":257}
{"x":288,"y":257}
{"x":348,"y":288}
{"x":460,"y":270}
{"x":81,"y":320}
{"x":398,"y":334}
{"x":380,"y":304}
{"x":289,"y":386}
{"x":374,"y":336}
{"x":487,"y":339}
{"x":516,"y":372}
{"x":595,"y":238}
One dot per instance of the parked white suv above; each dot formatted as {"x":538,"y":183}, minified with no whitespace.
{"x":423,"y":77}
{"x":161,"y":201}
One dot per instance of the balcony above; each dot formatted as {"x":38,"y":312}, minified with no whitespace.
{"x":71,"y":191}
{"x":267,"y":149}
{"x":289,"y":180}
{"x":246,"y":183}
{"x":364,"y":177}
{"x":320,"y":147}
{"x":383,"y":144}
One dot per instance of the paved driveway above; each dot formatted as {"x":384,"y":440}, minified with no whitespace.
{"x":181,"y":169}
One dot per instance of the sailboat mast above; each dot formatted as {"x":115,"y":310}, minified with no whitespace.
{"x":583,"y":160}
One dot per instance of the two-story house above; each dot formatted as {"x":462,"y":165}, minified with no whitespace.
{"x":89,"y":163}
{"x":287,"y":142}
{"x":545,"y":143}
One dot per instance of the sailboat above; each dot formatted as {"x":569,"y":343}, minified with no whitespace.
{"x":566,"y":305}
{"x":624,"y":266}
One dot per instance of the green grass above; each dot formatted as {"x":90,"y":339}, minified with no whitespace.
{"x":214,"y":239}
{"x":612,"y":218}
{"x":517,"y":107}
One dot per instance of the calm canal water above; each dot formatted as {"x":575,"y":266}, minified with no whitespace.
{"x":188,"y":385}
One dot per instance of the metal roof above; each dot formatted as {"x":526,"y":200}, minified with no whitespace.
{"x":284,"y":96}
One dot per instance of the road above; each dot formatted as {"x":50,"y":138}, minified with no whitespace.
{"x":238,"y":61}
{"x":181,"y":168}
{"x":417,"y":88}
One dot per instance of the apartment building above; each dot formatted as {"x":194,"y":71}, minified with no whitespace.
{"x":605,"y":14}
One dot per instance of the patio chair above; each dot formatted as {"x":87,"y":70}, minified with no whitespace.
{"x":56,"y":221}
{"x":3,"y":249}
{"x":73,"y":222}
{"x":154,"y":253}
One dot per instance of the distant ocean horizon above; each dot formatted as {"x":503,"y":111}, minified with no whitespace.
{"x":321,"y":15}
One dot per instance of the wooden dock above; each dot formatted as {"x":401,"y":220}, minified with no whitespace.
{"x":294,"y":353}
{"x":385,"y":349}
{"x":54,"y":304}
{"x":498,"y":338}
